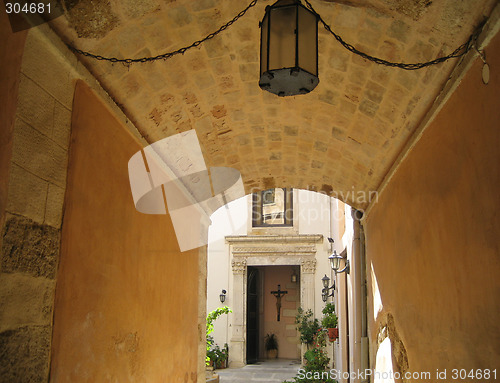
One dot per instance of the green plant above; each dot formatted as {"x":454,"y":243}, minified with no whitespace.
{"x":329,"y":309}
{"x":217,"y":356}
{"x":211,"y":356}
{"x":316,"y":363}
{"x":211,"y":317}
{"x":317,"y":358}
{"x":270,"y":342}
{"x":306,"y":325}
{"x":330,"y":319}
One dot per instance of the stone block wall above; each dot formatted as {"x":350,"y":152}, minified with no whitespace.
{"x":33,"y":214}
{"x":32,"y":211}
{"x":289,"y":314}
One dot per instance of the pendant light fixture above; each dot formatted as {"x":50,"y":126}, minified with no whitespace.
{"x":289,"y":49}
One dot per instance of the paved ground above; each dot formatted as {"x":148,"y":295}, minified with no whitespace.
{"x":269,"y":371}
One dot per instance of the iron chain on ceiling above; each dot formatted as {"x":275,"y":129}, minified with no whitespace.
{"x":167,"y":55}
{"x":460,"y":51}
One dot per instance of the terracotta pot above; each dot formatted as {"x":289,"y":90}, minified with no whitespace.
{"x":333,"y":334}
{"x":272,"y":354}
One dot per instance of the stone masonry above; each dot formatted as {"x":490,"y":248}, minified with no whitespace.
{"x":31,"y":234}
{"x":30,"y":242}
{"x":342,"y":137}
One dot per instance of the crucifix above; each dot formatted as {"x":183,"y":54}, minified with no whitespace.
{"x":278,"y":294}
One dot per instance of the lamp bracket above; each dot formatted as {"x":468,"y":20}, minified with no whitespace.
{"x":346,"y":269}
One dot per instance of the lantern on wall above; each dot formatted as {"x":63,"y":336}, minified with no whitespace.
{"x":335,"y":260}
{"x":289,"y":49}
{"x":222,"y":296}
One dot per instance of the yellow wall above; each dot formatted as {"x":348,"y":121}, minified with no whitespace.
{"x":433,"y":237}
{"x":126,"y":305}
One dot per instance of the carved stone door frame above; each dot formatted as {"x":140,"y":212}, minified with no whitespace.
{"x":267,"y":250}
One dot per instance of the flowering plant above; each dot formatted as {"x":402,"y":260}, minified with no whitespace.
{"x":315,"y":369}
{"x":317,"y":358}
{"x":218,"y":356}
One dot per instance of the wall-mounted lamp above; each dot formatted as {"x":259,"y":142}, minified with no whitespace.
{"x":293,"y":277}
{"x":222,"y":296}
{"x":335,"y":263}
{"x":327,"y":288}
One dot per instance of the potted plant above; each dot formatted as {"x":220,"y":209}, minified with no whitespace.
{"x":329,"y":321}
{"x":211,"y":358}
{"x":217,"y":356}
{"x":307,"y":326}
{"x":213,"y":351}
{"x":316,"y":360}
{"x":222,"y":356}
{"x":271,"y":345}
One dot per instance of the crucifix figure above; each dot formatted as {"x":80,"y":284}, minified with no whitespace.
{"x":278,"y":294}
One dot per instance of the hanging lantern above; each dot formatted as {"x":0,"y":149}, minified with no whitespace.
{"x":288,"y":49}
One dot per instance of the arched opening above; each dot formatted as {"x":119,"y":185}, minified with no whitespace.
{"x":270,"y":270}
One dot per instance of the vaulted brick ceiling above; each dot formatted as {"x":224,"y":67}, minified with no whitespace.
{"x":343,"y":136}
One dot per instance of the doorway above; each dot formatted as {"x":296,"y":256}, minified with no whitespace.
{"x":252,"y":315}
{"x":263,"y":316}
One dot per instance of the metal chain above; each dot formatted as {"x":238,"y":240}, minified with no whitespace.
{"x":460,"y":51}
{"x":167,"y":55}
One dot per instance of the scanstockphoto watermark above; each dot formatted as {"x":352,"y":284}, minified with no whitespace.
{"x":373,"y":375}
{"x":363,"y":375}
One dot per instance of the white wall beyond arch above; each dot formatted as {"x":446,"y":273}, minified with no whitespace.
{"x":315,"y":215}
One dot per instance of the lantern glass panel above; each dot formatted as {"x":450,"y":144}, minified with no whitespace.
{"x":326,"y":281}
{"x":264,"y":44}
{"x":308,"y":50}
{"x":282,"y":39}
{"x":336,"y":262}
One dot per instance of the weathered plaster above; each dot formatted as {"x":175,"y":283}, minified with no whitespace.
{"x":126,"y":304}
{"x":433,"y":236}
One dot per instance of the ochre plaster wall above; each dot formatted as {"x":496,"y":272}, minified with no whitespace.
{"x":126,"y":305}
{"x":433,"y":237}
